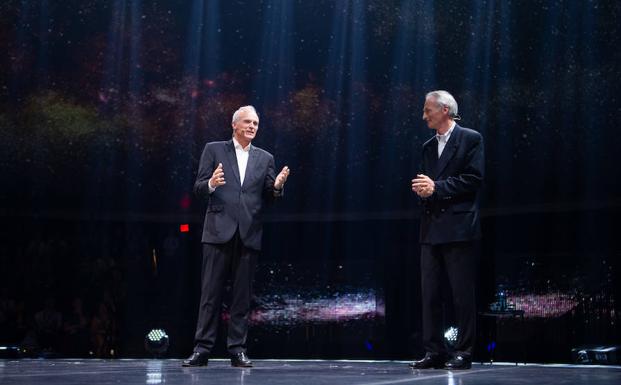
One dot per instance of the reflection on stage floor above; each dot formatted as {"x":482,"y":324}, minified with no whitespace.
{"x":299,"y":372}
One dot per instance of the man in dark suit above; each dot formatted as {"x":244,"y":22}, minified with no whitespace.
{"x":232,"y":231}
{"x":448,"y":186}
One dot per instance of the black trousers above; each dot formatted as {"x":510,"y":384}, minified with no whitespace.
{"x":222,"y":261}
{"x":457,"y":262}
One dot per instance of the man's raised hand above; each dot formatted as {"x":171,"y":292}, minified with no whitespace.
{"x":217,"y":179}
{"x":281,"y":178}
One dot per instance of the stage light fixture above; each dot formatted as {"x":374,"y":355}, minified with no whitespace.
{"x":450,"y":335}
{"x":9,"y":352}
{"x":156,"y":342}
{"x":597,"y":355}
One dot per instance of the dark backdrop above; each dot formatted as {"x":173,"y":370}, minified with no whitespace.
{"x":105,"y":107}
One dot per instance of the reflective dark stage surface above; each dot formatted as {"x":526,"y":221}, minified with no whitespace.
{"x":170,"y":372}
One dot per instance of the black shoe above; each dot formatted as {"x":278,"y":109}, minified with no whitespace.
{"x":459,"y":362}
{"x":430,"y":360}
{"x":196,"y":359}
{"x":241,"y":360}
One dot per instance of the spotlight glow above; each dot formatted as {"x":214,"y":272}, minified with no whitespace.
{"x":450,"y":335}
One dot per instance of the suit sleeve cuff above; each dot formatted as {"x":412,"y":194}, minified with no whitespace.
{"x":279,"y":192}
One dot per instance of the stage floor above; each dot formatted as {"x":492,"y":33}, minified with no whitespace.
{"x":274,"y":372}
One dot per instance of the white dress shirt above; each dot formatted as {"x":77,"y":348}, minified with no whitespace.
{"x":241,"y":154}
{"x":242,"y":159}
{"x":443,"y":139}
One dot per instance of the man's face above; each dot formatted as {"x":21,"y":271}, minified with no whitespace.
{"x":434,"y":113}
{"x":246,"y":126}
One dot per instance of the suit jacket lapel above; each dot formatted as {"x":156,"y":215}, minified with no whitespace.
{"x":449,"y":150}
{"x":252,"y":164}
{"x":431,"y":154}
{"x":232,"y":158}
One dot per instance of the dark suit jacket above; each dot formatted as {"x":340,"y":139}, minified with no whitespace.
{"x":451,"y":214}
{"x":232,"y":205}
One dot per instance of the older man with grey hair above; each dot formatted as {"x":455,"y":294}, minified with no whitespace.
{"x":232,"y":231}
{"x":448,"y":186}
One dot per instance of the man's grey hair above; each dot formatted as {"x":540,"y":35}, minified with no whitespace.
{"x":444,"y":99}
{"x":239,"y":111}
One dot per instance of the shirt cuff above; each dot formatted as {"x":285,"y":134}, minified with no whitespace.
{"x":279,"y":192}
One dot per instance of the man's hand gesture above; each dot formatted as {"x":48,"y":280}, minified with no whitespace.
{"x":217,"y":179}
{"x":423,"y":186}
{"x":281,"y":178}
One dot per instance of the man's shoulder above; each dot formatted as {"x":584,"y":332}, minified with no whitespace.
{"x":469,"y":132}
{"x":429,"y":141}
{"x":261,"y":151}
{"x":219,"y":143}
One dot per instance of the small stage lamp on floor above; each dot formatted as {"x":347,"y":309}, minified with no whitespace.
{"x":450,"y":335}
{"x":156,"y":342}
